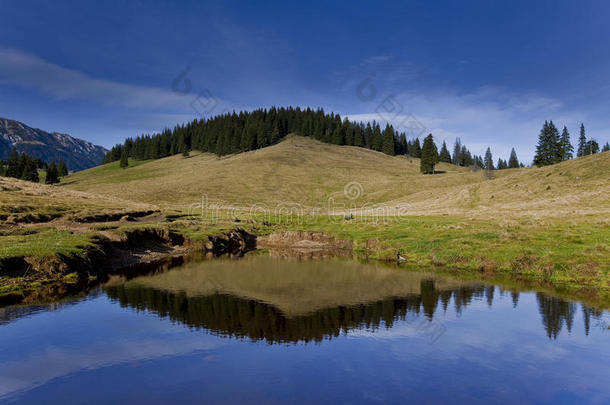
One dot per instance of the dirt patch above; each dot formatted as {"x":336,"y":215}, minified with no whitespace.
{"x":303,"y":239}
{"x":305,"y":245}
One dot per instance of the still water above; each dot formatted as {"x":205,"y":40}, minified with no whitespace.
{"x":270,"y":330}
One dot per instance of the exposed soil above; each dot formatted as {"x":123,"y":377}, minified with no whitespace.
{"x":34,"y":279}
{"x":305,"y":245}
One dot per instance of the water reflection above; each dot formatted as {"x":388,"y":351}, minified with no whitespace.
{"x":282,"y":301}
{"x":200,"y":331}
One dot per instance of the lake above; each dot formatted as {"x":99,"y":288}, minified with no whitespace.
{"x":277,"y":330}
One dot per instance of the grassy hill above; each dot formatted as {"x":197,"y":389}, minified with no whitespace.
{"x":550,"y":224}
{"x":304,"y":171}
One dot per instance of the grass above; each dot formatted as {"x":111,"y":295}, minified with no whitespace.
{"x":301,"y":171}
{"x":19,"y":199}
{"x":44,"y":242}
{"x":550,"y":224}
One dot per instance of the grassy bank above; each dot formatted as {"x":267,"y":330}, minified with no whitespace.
{"x":573,"y":258}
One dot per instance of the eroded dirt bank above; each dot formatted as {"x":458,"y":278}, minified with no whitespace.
{"x":29,"y":279}
{"x":305,"y":245}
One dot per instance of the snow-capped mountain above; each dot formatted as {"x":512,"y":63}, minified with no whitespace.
{"x":77,"y":153}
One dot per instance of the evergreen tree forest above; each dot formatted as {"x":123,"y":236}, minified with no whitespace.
{"x":249,"y":130}
{"x":554,"y":148}
{"x":24,"y":167}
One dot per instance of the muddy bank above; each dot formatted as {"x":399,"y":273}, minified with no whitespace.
{"x":305,"y":245}
{"x":33,"y":280}
{"x":303,"y":240}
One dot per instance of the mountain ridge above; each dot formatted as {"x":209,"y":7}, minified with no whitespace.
{"x":48,"y":146}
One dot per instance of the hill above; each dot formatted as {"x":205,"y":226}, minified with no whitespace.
{"x":77,"y":153}
{"x":23,"y":202}
{"x":300,"y":170}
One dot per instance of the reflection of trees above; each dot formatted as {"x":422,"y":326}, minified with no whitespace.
{"x":515,"y":296}
{"x":228,"y":315}
{"x":555,"y":312}
{"x":588,"y":313}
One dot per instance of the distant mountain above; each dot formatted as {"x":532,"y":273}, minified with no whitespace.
{"x":77,"y":153}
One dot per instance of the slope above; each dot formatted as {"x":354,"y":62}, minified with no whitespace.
{"x":302,"y":171}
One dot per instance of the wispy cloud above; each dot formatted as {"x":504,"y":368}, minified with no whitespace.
{"x":487,"y":116}
{"x":39,"y":368}
{"x":29,"y":71}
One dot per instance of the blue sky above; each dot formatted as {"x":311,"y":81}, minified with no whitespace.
{"x":487,"y":72}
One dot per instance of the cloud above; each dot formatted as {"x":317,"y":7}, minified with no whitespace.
{"x":53,"y":362}
{"x":486,"y":116}
{"x":25,"y":70}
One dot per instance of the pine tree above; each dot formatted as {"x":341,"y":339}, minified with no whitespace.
{"x":489,"y":164}
{"x":124,"y":159}
{"x":429,"y":155}
{"x":513,"y":162}
{"x":376,"y":138}
{"x":337,"y":136}
{"x":52,"y":174}
{"x":457,"y":152}
{"x":556,"y":148}
{"x":591,"y":147}
{"x":582,"y":141}
{"x":62,"y":169}
{"x":606,"y":147}
{"x":415,"y":149}
{"x":466,"y":157}
{"x":444,"y":155}
{"x":387,"y":137}
{"x":549,"y":149}
{"x":30,"y":171}
{"x":402,"y":144}
{"x":566,"y":147}
{"x":12,"y":169}
{"x":358,"y":141}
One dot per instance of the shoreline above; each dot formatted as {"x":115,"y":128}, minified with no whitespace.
{"x":156,"y":244}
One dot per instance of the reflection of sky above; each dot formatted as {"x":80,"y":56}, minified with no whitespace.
{"x":97,"y":351}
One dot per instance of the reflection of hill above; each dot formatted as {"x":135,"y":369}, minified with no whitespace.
{"x":289,"y":301}
{"x":265,"y":298}
{"x":228,"y":315}
{"x":293,"y":287}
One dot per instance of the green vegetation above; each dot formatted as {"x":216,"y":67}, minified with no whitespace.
{"x":250,"y":130}
{"x":27,"y":168}
{"x":429,"y":156}
{"x":41,"y":242}
{"x":124,"y":159}
{"x":548,"y":225}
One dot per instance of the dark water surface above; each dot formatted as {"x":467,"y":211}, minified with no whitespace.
{"x":265,"y":330}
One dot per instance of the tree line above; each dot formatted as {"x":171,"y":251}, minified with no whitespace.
{"x":554,"y":148}
{"x":249,"y":130}
{"x":26,"y":167}
{"x":231,"y":133}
